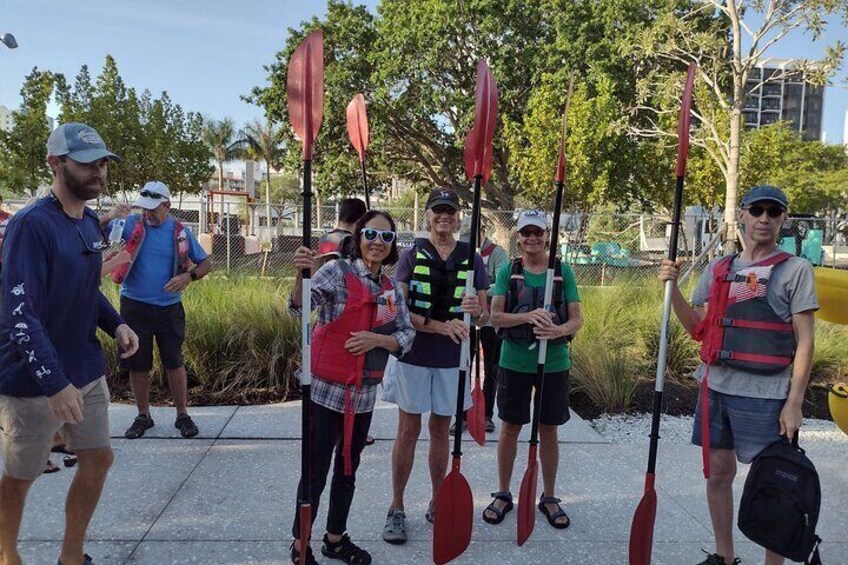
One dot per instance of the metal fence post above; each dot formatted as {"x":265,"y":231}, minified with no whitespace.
{"x":226,"y":220}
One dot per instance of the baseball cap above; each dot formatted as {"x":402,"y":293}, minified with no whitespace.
{"x":79,"y":142}
{"x":440,"y":195}
{"x":532,"y":218}
{"x":765,"y":192}
{"x":153,"y":194}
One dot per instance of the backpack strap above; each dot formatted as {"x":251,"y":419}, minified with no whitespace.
{"x":516,"y":283}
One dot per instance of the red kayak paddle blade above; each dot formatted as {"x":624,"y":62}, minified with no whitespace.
{"x":684,"y":119}
{"x":477,"y":153}
{"x":454,"y":517}
{"x":642,"y":528}
{"x":476,"y":415}
{"x":527,"y":499}
{"x":357,"y":125}
{"x":561,"y":158}
{"x":305,"y":90}
{"x":305,"y":524}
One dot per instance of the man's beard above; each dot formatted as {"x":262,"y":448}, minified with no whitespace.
{"x":78,"y":188}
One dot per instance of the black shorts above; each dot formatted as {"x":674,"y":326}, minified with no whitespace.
{"x":165,"y":323}
{"x":515,"y":390}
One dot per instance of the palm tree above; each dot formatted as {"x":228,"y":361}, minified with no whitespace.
{"x":220,"y":137}
{"x":264,"y":143}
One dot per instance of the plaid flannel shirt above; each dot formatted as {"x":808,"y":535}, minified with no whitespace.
{"x":329,"y":294}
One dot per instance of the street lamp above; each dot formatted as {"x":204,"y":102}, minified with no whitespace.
{"x":9,"y":40}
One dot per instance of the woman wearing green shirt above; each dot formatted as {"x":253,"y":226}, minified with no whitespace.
{"x":520,"y":286}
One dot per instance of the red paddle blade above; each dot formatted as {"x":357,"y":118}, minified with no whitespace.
{"x":305,"y":525}
{"x":683,"y":121}
{"x":357,"y":125}
{"x":454,"y":517}
{"x":478,"y":145}
{"x":560,"y":169}
{"x":476,"y":415}
{"x":527,"y":499}
{"x":305,"y":90}
{"x":642,"y":528}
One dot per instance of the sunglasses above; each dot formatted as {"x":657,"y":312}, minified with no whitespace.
{"x":444,"y":210}
{"x":153,"y":195}
{"x":531,"y":232}
{"x":386,"y":236}
{"x":772,"y":211}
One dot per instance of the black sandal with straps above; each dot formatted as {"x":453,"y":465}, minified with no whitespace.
{"x":553,"y":516}
{"x":500,"y":513}
{"x":345,"y":550}
{"x":295,"y":556}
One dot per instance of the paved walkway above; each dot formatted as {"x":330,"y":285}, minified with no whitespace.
{"x":227,"y":497}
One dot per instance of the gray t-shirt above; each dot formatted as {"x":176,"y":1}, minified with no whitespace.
{"x":791,"y":290}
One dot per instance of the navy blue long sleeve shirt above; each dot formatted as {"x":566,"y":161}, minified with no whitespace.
{"x":51,"y":304}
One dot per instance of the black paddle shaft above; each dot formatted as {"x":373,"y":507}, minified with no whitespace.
{"x":672,"y":256}
{"x":463,"y":369}
{"x":540,"y":367}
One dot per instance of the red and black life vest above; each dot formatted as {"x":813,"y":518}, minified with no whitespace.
{"x":521,"y":299}
{"x":486,"y":252}
{"x":741,"y":330}
{"x":363,"y":311}
{"x":136,"y":239}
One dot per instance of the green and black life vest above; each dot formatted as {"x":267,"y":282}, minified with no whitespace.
{"x":521,"y":298}
{"x":437,"y":287}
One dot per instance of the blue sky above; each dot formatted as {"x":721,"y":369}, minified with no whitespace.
{"x":206,"y":53}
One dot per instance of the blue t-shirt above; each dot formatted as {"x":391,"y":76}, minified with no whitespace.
{"x":154,"y":264}
{"x":50,"y":302}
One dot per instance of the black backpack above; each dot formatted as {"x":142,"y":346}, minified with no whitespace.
{"x":781,"y":501}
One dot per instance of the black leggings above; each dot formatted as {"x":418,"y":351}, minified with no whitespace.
{"x":491,"y":359}
{"x":325,"y":437}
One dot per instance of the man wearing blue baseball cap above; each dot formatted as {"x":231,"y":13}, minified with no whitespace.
{"x":753,"y":314}
{"x":52,"y":368}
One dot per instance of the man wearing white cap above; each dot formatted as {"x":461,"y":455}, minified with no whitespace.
{"x":162,"y":252}
{"x":518,"y":311}
{"x":52,"y":368}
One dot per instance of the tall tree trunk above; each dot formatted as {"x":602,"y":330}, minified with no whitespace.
{"x":732,"y":179}
{"x":220,"y":175}
{"x":268,"y":200}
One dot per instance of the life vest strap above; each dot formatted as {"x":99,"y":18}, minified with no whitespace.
{"x":756,"y":325}
{"x":754,"y":358}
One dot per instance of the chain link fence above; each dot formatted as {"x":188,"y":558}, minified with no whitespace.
{"x":603,"y":249}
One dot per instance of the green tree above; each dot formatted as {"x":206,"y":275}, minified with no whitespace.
{"x":263,"y":142}
{"x":23,"y":165}
{"x":220,"y":137}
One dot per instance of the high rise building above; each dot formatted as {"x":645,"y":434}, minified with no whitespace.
{"x":789,"y":97}
{"x":6,"y":123}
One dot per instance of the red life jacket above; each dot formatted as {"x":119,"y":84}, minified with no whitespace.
{"x":363,"y":311}
{"x":741,"y":330}
{"x":133,"y":246}
{"x":486,"y":252}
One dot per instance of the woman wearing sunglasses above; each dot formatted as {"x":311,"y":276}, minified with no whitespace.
{"x":362,"y":318}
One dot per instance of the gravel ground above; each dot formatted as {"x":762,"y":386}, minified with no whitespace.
{"x":634,"y":428}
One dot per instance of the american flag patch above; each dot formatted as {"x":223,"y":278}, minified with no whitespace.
{"x":753,"y":286}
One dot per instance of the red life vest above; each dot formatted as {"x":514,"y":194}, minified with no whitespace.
{"x":363,"y":311}
{"x":741,"y":330}
{"x":133,"y":246}
{"x":486,"y":252}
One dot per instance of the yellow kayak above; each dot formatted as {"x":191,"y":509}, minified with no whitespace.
{"x":832,"y":290}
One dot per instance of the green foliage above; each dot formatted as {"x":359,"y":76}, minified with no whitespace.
{"x":23,"y":151}
{"x":220,"y":139}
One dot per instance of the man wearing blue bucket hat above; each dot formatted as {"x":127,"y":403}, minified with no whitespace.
{"x":753,"y":314}
{"x":51,"y":364}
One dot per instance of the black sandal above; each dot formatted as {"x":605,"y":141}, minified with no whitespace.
{"x":51,"y":468}
{"x":345,"y":550}
{"x":62,"y":448}
{"x":500,"y":513}
{"x":295,"y":556}
{"x":552,"y":516}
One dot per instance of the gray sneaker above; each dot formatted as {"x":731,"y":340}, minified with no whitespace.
{"x":395,"y":530}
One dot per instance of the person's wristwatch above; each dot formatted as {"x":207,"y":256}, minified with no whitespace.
{"x":193,"y":275}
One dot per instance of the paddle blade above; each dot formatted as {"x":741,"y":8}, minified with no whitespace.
{"x":477,"y":153}
{"x":560,"y":169}
{"x":476,"y":415}
{"x":642,"y":528}
{"x":527,"y":499}
{"x":305,"y":525}
{"x":357,"y":125}
{"x":454,"y":517}
{"x":305,"y":90}
{"x":683,"y":121}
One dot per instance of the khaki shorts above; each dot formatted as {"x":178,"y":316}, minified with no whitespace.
{"x":27,"y":428}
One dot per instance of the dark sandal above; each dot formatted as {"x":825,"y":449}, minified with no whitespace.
{"x":345,"y":550}
{"x":86,"y":560}
{"x":552,"y":516}
{"x":295,"y":556}
{"x":51,"y":468}
{"x":186,"y":425}
{"x":61,"y":448}
{"x":500,"y":513}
